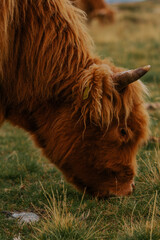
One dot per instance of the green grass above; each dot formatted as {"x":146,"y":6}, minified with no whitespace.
{"x":28,"y":182}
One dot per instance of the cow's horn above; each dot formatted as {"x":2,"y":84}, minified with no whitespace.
{"x":123,"y":79}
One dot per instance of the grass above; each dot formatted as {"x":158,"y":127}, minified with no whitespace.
{"x":60,"y":223}
{"x":28,"y":182}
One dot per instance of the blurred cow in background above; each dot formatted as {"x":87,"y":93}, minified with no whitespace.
{"x":97,"y":9}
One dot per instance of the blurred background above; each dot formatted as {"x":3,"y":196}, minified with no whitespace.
{"x":132,"y":39}
{"x":120,"y":1}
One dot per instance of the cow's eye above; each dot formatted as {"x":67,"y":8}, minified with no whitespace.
{"x":123,"y":132}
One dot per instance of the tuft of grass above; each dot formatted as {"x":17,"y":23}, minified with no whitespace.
{"x":143,"y":231}
{"x":150,"y":178}
{"x":59,"y":223}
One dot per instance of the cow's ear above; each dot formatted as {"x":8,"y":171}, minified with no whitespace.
{"x":123,"y":79}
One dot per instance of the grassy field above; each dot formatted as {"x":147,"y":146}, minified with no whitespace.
{"x":28,"y":182}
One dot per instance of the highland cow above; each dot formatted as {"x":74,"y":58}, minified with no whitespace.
{"x":97,"y":9}
{"x":86,"y":114}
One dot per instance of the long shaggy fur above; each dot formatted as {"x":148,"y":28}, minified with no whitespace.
{"x":46,"y":66}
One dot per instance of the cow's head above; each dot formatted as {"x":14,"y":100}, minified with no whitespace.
{"x":102,"y":157}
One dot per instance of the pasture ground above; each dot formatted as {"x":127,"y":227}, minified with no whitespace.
{"x":28,"y":182}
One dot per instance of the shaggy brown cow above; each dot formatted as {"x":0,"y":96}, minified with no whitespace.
{"x":80,"y":111}
{"x":96,"y":9}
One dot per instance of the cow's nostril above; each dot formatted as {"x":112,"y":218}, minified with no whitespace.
{"x":130,"y":193}
{"x":132,"y":189}
{"x":133,"y":185}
